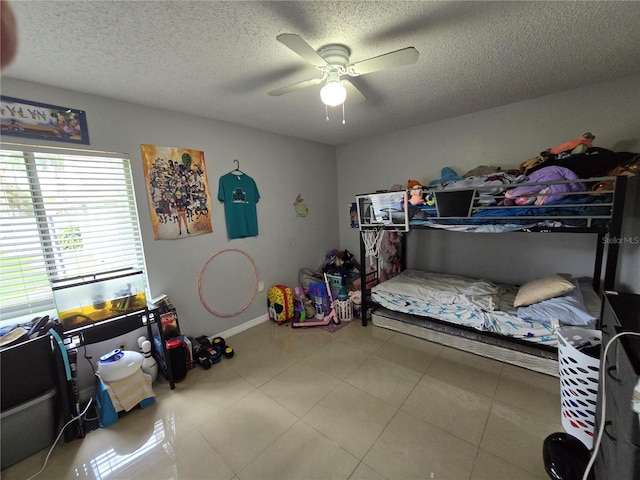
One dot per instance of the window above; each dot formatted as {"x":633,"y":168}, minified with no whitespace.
{"x":62,"y":214}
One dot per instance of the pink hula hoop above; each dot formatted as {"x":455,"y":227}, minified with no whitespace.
{"x":255,"y":284}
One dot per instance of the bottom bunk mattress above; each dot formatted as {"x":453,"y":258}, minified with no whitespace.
{"x":543,"y":359}
{"x":474,"y":305}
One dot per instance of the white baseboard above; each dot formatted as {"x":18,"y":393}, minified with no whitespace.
{"x":241,"y":328}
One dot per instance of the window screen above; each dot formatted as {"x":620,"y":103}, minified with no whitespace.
{"x":62,"y":214}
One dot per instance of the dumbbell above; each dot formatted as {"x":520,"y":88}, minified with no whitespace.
{"x":227,"y":351}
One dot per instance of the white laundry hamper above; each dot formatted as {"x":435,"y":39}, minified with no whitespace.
{"x":579,"y":379}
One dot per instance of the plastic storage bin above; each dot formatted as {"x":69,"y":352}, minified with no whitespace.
{"x":27,"y":371}
{"x":28,"y":428}
{"x":578,"y":382}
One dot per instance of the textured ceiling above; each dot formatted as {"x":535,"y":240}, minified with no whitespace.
{"x":219,"y":59}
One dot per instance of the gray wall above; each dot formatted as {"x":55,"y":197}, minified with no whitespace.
{"x":282,"y":167}
{"x":504,"y":136}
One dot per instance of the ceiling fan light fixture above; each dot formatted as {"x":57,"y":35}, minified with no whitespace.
{"x":333,"y":93}
{"x":333,"y":60}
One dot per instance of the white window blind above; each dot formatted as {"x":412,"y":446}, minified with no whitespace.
{"x":62,"y":214}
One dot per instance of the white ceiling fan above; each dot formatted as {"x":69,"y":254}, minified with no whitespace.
{"x":332,"y":61}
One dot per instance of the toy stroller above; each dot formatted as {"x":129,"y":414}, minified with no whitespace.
{"x":327,"y":319}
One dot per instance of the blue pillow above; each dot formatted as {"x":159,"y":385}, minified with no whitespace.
{"x":569,"y":309}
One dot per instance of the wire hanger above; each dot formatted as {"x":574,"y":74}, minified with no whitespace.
{"x":237,"y":170}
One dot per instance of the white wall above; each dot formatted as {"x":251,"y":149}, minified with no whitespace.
{"x":503,"y":136}
{"x":282,"y":167}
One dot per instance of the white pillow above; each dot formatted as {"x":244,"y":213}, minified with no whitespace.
{"x":569,"y":309}
{"x":543,"y":289}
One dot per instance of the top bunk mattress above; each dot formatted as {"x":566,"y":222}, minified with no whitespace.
{"x":475,"y":303}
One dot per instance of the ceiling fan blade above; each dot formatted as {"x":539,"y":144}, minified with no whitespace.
{"x":354,"y":95}
{"x":296,"y":86}
{"x":405,"y":56}
{"x":302,"y":48}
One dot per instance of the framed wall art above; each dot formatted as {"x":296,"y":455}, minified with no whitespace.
{"x":24,"y":118}
{"x":177,"y":190}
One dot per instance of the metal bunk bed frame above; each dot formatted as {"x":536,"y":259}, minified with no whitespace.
{"x":514,"y":351}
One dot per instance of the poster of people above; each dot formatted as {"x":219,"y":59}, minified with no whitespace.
{"x":177,"y":190}
{"x":24,"y":118}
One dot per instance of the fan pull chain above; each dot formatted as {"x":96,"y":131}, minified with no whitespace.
{"x":326,"y":113}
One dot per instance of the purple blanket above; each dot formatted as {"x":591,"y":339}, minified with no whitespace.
{"x":544,"y":193}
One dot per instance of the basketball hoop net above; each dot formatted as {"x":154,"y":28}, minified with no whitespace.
{"x":372,"y":240}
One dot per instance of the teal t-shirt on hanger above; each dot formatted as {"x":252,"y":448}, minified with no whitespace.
{"x":239,"y":193}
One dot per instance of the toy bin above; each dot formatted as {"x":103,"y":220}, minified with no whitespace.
{"x":578,"y":382}
{"x":29,"y":427}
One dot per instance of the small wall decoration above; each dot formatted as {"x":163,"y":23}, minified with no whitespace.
{"x":24,"y":118}
{"x":177,"y":190}
{"x":301,"y":208}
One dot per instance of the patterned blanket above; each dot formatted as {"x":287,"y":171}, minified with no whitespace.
{"x":473,"y":303}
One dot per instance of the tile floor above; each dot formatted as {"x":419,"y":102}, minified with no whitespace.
{"x":360,"y":403}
